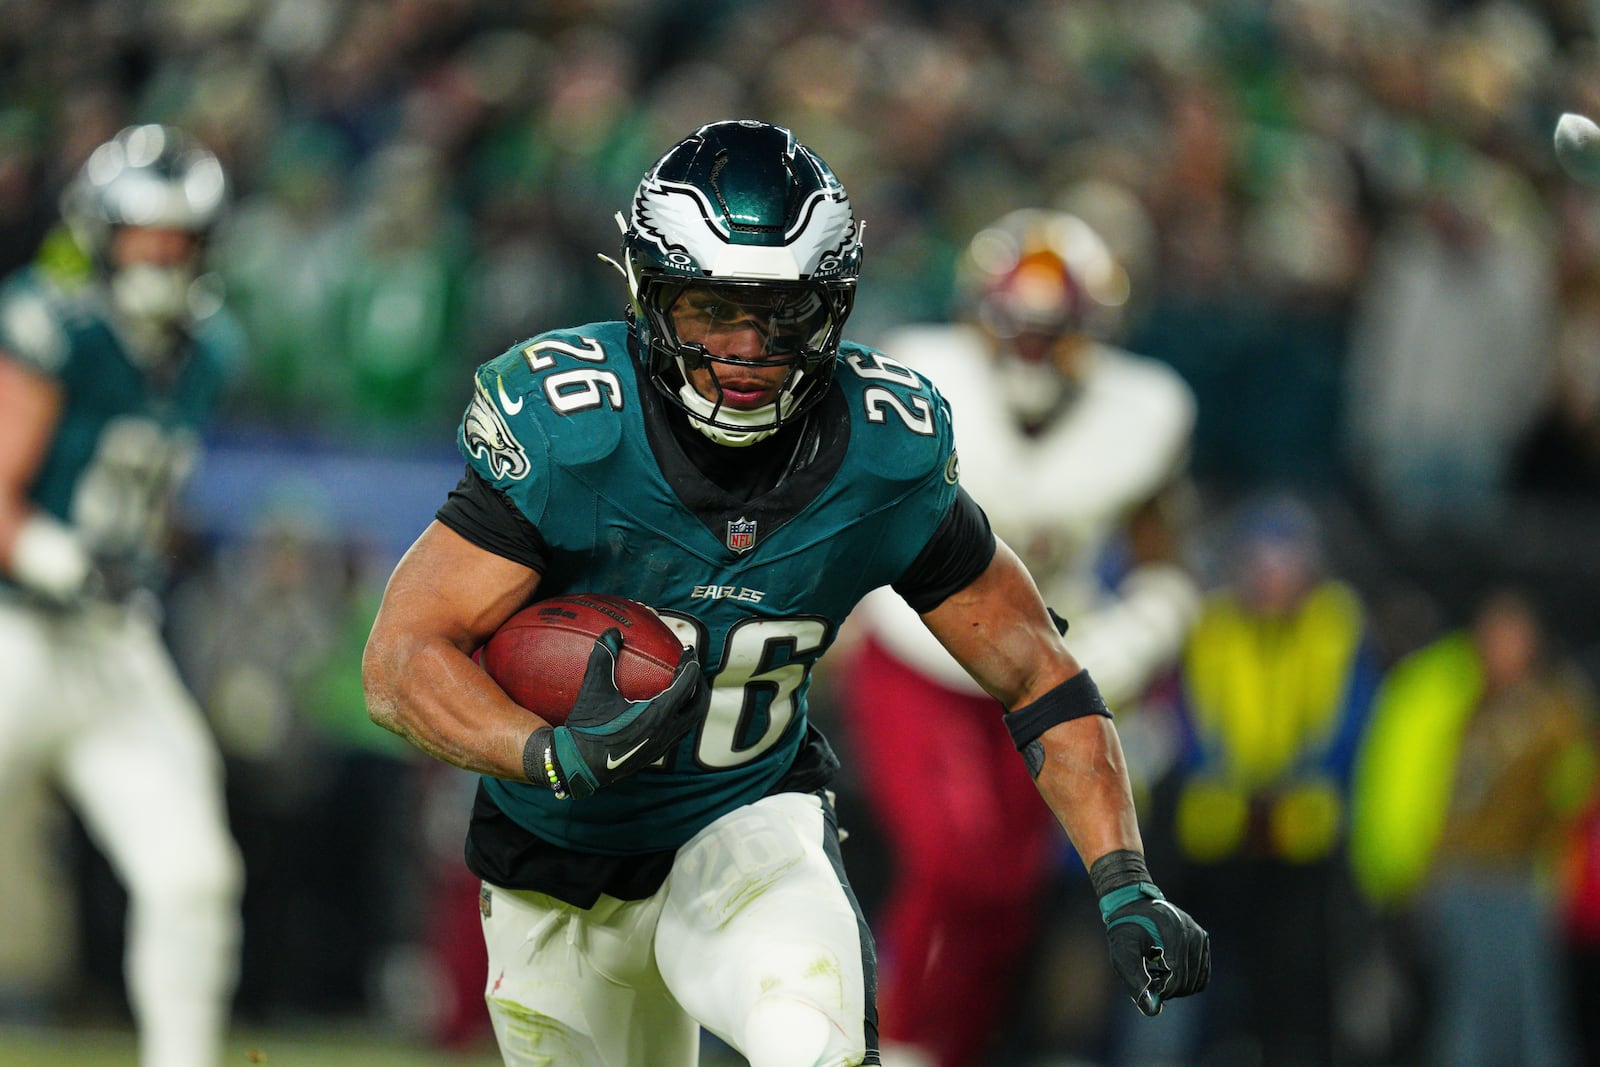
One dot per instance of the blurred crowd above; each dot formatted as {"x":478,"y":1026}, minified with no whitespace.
{"x":1344,"y":226}
{"x":1302,"y":191}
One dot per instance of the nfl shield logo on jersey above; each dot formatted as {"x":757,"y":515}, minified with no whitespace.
{"x":742,"y":534}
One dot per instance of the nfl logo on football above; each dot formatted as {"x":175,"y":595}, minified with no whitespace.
{"x":742,"y":534}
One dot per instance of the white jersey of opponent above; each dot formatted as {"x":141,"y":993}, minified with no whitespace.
{"x":1057,"y":499}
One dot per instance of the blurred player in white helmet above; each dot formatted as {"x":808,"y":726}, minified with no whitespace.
{"x":113,"y":351}
{"x":1074,"y":448}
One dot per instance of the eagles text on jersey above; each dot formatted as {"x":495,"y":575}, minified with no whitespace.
{"x":758,"y":587}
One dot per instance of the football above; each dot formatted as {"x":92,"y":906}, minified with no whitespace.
{"x":538,"y":656}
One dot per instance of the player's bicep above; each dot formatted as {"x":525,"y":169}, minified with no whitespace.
{"x":446,"y":586}
{"x":998,"y":629}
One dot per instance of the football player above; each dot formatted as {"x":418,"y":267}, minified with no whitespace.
{"x":1075,"y":449}
{"x":722,"y":455}
{"x":112,"y":351}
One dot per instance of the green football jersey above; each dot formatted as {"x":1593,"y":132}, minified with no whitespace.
{"x":126,"y":438}
{"x":758,"y":587}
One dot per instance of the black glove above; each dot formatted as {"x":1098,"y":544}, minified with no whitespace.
{"x":607,"y":736}
{"x":1156,"y":948}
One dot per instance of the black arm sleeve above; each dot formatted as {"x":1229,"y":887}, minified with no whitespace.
{"x":958,"y":552}
{"x":485,"y":516}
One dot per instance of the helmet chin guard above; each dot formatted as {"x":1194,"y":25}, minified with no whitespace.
{"x":742,"y":213}
{"x":717,"y":422}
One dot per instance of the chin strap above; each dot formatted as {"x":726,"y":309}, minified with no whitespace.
{"x":701,"y":411}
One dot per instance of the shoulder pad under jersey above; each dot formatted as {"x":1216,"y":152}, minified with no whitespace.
{"x":1152,"y":396}
{"x":553,"y":399}
{"x":32,"y":330}
{"x":572,"y":384}
{"x":899,"y":421}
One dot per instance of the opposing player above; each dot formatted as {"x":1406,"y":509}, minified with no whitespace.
{"x":656,"y":868}
{"x":1075,"y":449}
{"x":112,"y":352}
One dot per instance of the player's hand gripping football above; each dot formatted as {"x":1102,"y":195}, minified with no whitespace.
{"x":606,"y":736}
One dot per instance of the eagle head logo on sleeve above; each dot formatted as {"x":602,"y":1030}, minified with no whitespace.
{"x":489,"y":438}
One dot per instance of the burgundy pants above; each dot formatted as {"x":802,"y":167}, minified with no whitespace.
{"x":972,"y":848}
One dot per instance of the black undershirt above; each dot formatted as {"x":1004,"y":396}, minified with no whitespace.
{"x":502,"y":852}
{"x":746,"y":471}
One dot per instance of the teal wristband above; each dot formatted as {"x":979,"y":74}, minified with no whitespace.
{"x":567,"y":762}
{"x":1120,"y":898}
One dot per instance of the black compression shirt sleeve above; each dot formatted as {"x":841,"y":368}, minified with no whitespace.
{"x":485,"y":516}
{"x":958,"y":552}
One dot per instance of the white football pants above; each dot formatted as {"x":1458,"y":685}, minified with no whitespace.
{"x":752,"y":936}
{"x":93,"y":701}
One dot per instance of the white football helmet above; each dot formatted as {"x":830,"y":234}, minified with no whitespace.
{"x":1039,"y":284}
{"x":146,"y":176}
{"x":745,"y":209}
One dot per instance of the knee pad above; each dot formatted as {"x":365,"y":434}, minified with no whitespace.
{"x":783,"y":1032}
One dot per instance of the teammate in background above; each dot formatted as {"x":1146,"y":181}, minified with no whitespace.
{"x":1075,"y":450}
{"x":112,"y":353}
{"x":722,"y":456}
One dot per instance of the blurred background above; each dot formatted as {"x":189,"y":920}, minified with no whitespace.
{"x":1345,"y":229}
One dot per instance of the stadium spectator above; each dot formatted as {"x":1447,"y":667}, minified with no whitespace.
{"x":1479,"y":763}
{"x":1277,"y":681}
{"x":1452,"y":347}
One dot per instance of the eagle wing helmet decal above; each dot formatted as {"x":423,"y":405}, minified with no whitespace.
{"x":668,"y":207}
{"x":742,"y":207}
{"x":815,"y":242}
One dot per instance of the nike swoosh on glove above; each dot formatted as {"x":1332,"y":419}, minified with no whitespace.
{"x":607,"y":736}
{"x":1156,"y":948}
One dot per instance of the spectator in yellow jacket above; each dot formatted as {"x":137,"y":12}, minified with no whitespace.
{"x":1276,"y":681}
